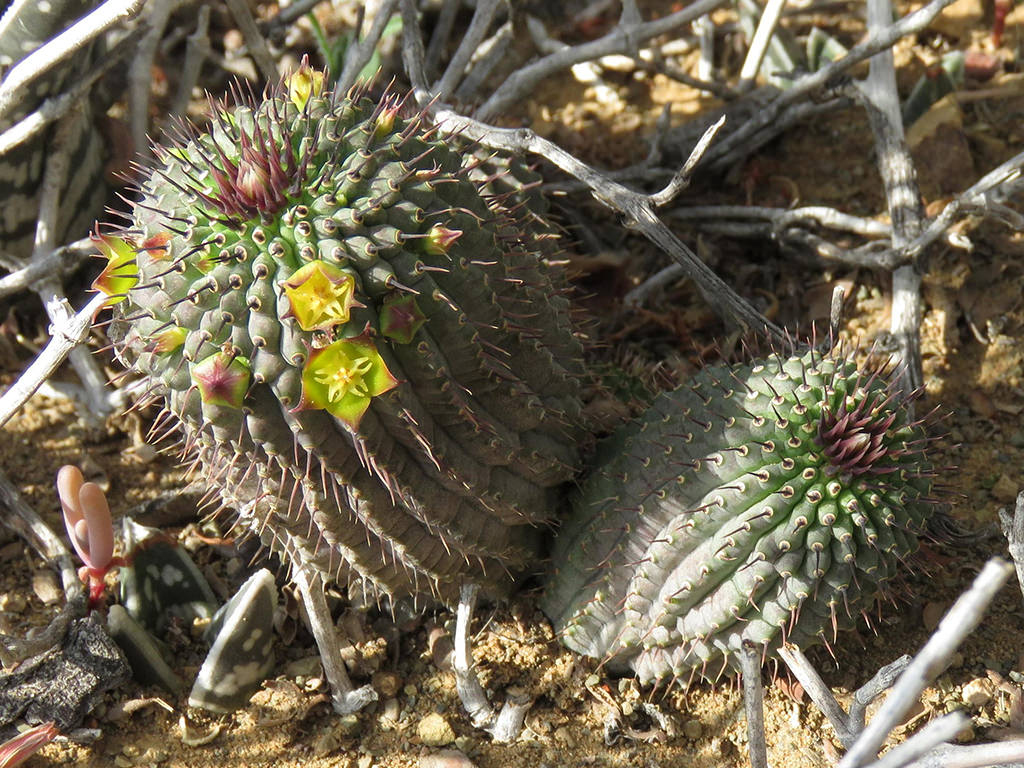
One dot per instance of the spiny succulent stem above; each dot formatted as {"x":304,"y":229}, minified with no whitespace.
{"x":345,"y":698}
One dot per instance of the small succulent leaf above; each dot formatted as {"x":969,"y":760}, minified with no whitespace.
{"x":400,"y":319}
{"x":69,"y":482}
{"x":121,"y":273}
{"x":98,"y":528}
{"x":321,"y":295}
{"x":343,"y":377}
{"x":160,"y":580}
{"x":822,"y":49}
{"x":242,"y":652}
{"x":145,"y":653}
{"x":933,"y":85}
{"x":222,"y":379}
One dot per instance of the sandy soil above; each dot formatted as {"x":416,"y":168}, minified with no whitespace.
{"x":974,"y":365}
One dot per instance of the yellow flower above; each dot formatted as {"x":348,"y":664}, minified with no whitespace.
{"x":321,"y":296}
{"x":304,"y":83}
{"x":122,"y":271}
{"x":343,"y":377}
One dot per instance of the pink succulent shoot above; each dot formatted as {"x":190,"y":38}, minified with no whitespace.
{"x":18,"y":749}
{"x":87,"y":518}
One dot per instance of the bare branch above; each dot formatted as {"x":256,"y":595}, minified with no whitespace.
{"x":759,"y":45}
{"x":820,"y":693}
{"x":619,"y":40}
{"x":478,"y":26}
{"x":63,"y":338}
{"x":816,"y":81}
{"x":440,"y":35}
{"x":1013,"y":530}
{"x":636,"y":208}
{"x":359,"y":53}
{"x":45,"y":267}
{"x":197,"y":49}
{"x":873,"y":688}
{"x":471,"y":693}
{"x":254,"y":39}
{"x":681,"y":180}
{"x":56,"y":107}
{"x":488,"y":55}
{"x":345,"y":697}
{"x":1008,"y":753}
{"x":753,"y":704}
{"x":941,"y":729}
{"x":73,"y":39}
{"x":784,"y":218}
{"x":958,"y":623}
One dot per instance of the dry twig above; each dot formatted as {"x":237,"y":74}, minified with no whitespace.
{"x":753,"y":704}
{"x":1013,"y":530}
{"x":958,"y":623}
{"x":505,"y":725}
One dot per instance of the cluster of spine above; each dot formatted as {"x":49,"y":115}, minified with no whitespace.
{"x":353,"y":320}
{"x":761,"y":503}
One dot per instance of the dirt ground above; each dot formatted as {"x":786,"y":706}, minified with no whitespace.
{"x":973,"y":341}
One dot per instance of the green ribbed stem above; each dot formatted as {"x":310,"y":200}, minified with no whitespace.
{"x":764,"y":503}
{"x":357,"y":324}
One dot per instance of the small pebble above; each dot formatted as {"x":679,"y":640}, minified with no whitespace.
{"x":46,"y":587}
{"x":439,"y":641}
{"x":389,"y":713}
{"x":1005,"y":490}
{"x":564,"y":736}
{"x":386,"y":684}
{"x":692,"y":729}
{"x":435,"y":731}
{"x":365,"y":761}
{"x":328,"y":741}
{"x":977,"y":692}
{"x":349,"y":725}
{"x":446,"y":758}
{"x":932,"y":614}
{"x":12,"y":602}
{"x":305,"y":667}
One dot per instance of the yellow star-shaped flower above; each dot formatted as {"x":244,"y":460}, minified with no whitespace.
{"x":343,"y":377}
{"x":321,"y":296}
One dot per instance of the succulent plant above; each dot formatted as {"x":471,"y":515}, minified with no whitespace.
{"x":767,"y":502}
{"x":90,"y":531}
{"x":353,"y":319}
